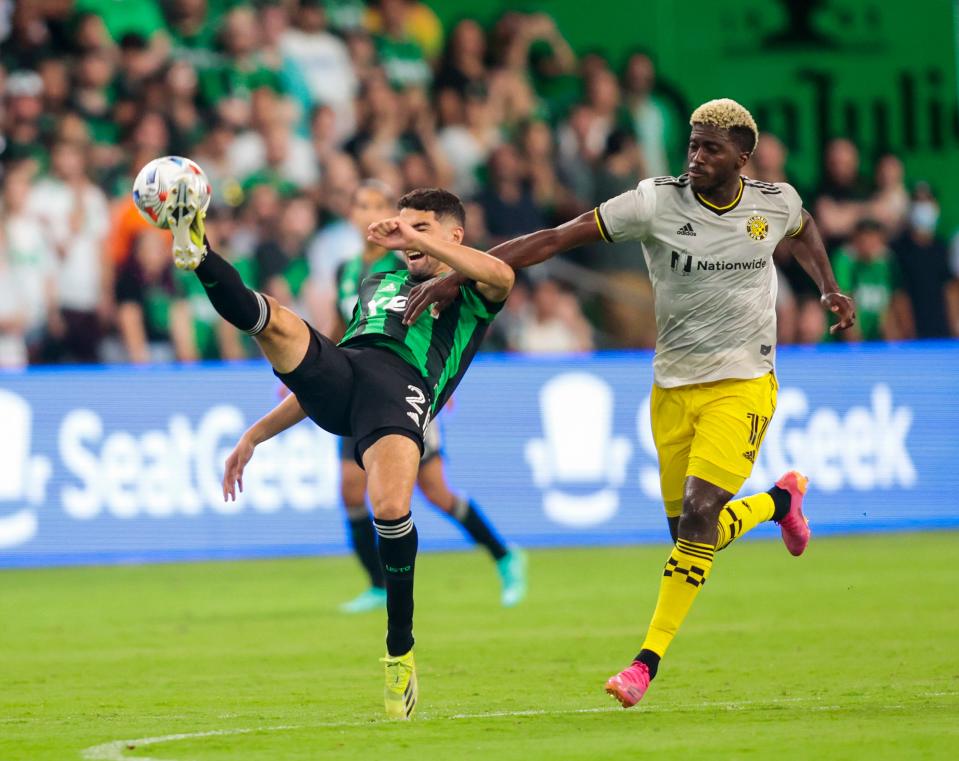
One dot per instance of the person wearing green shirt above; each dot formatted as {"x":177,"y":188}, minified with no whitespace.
{"x":241,"y":70}
{"x":373,"y":200}
{"x":383,"y":382}
{"x":867,"y":269}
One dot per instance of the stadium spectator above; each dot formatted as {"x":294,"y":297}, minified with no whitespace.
{"x":75,"y":216}
{"x":651,"y":118}
{"x":153,"y":319}
{"x":281,"y":263}
{"x":13,"y":316}
{"x":840,"y":198}
{"x":463,"y":66}
{"x":867,"y":270}
{"x":508,"y":202}
{"x":28,"y":262}
{"x":22,"y":119}
{"x":924,"y":262}
{"x":228,"y":86}
{"x":468,"y":137}
{"x":552,"y":323}
{"x":192,"y":28}
{"x":890,"y":201}
{"x":401,"y":54}
{"x":324,"y":61}
{"x":768,"y":162}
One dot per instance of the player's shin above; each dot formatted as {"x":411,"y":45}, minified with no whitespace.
{"x":243,"y":308}
{"x":363,"y":540}
{"x":685,"y":573}
{"x":475,"y":524}
{"x":397,"y":545}
{"x":743,"y":515}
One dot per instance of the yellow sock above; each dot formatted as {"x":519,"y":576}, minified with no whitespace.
{"x":742,"y":515}
{"x":684,"y":575}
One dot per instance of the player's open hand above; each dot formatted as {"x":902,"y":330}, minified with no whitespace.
{"x":235,"y":463}
{"x":843,"y":307}
{"x":392,"y":233}
{"x":437,"y":292}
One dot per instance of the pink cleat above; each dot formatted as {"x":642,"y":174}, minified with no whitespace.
{"x":630,"y":684}
{"x":795,"y":526}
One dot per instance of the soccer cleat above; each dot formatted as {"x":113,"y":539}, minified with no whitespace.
{"x":401,"y":687}
{"x":795,"y":526}
{"x":512,"y":573}
{"x":186,"y":222}
{"x":373,"y":598}
{"x":630,"y":684}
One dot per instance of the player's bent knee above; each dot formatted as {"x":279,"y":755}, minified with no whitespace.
{"x":390,"y":508}
{"x":699,"y":514}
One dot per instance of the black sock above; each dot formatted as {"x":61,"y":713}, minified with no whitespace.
{"x":363,"y":539}
{"x":238,"y":305}
{"x":650,"y":659}
{"x":781,"y":501}
{"x":398,"y":542}
{"x":474,"y":523}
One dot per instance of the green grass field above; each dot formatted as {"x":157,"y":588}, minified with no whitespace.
{"x":849,"y":653}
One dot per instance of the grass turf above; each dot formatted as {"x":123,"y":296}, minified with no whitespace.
{"x":850,"y":652}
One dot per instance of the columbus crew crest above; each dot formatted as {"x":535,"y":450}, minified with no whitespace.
{"x":757,"y":227}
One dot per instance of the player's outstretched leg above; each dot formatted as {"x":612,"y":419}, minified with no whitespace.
{"x":282,"y":336}
{"x":391,"y":464}
{"x":510,"y":561}
{"x":782,"y":504}
{"x":684,"y":574}
{"x":362,"y":534}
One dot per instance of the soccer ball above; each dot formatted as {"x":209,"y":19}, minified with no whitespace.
{"x":153,"y":183}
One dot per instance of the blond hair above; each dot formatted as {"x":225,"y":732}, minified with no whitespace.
{"x":726,"y":113}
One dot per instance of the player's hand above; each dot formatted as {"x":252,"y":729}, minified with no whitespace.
{"x":235,"y":463}
{"x":843,"y":307}
{"x":393,"y":233}
{"x":438,"y":292}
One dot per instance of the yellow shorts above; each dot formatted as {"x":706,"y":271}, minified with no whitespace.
{"x":710,"y":430}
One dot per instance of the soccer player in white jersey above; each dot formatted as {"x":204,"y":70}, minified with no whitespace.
{"x":708,"y":237}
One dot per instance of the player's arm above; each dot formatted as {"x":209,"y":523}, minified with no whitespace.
{"x":285,"y":415}
{"x":494,"y":278}
{"x":807,"y":247}
{"x":518,"y":253}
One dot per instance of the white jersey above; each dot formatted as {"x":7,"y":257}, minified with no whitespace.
{"x":712,"y":273}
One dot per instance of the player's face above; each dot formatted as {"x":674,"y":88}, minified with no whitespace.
{"x":420,"y":265}
{"x":369,"y":206}
{"x":712,"y":158}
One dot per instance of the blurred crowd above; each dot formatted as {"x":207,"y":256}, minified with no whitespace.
{"x":289,"y":104}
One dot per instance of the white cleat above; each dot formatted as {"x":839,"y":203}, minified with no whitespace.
{"x":186,"y":223}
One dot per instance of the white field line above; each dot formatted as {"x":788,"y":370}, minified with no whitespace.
{"x":114,"y":750}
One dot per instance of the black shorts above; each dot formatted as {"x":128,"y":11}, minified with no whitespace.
{"x":364,"y":392}
{"x":432,"y":444}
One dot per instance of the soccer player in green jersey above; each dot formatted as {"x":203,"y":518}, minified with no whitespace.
{"x":382,"y":384}
{"x":372,"y":201}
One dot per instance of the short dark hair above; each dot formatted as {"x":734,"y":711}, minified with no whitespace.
{"x":744,"y":138}
{"x":440,"y":202}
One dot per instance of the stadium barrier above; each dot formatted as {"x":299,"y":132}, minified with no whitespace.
{"x":124,"y":464}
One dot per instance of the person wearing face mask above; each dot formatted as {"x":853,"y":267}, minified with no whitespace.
{"x":924,"y":263}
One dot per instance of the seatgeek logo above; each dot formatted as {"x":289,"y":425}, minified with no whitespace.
{"x":580,"y":464}
{"x":23,"y":476}
{"x":155,"y":473}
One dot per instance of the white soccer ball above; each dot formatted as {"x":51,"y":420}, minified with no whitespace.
{"x":153,"y":183}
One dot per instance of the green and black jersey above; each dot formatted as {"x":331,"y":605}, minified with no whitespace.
{"x":352,"y":272}
{"x":441,"y":348}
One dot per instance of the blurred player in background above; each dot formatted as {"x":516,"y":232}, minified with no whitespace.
{"x":708,"y":238}
{"x":382,"y":383}
{"x":372,"y":201}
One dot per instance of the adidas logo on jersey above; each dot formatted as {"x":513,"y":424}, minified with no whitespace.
{"x":686,"y":229}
